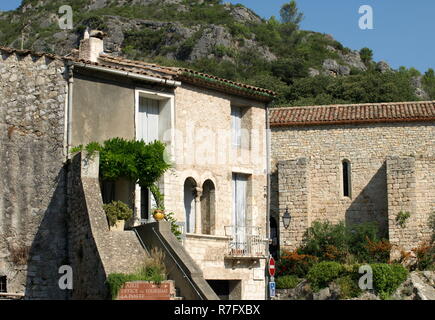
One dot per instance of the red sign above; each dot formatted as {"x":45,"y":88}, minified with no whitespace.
{"x":272,"y":267}
{"x":145,"y":291}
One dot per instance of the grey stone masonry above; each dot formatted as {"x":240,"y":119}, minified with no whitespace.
{"x":294,"y":194}
{"x":411,"y":188}
{"x":96,"y":251}
{"x":32,"y":176}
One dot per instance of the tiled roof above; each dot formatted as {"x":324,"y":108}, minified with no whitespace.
{"x":168,"y":73}
{"x":190,"y":76}
{"x":354,"y":113}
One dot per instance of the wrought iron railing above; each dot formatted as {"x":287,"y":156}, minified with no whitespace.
{"x":245,"y":242}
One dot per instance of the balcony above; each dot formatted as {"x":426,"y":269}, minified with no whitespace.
{"x":245,"y":243}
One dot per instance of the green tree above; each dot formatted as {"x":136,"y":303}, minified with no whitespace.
{"x":290,"y":13}
{"x":366,"y":55}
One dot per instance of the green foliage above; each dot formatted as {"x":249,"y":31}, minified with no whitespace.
{"x":321,"y":274}
{"x":153,"y":271}
{"x":160,"y":204}
{"x":387,"y":278}
{"x":428,"y":82}
{"x":135,"y":160}
{"x":366,"y":55}
{"x":338,"y":242}
{"x":402,"y":217}
{"x":287,"y":282}
{"x":290,"y":13}
{"x":117,"y":210}
{"x":370,"y":86}
{"x":326,"y":241}
{"x":348,"y":285}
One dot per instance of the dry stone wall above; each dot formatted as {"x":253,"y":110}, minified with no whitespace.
{"x":32,"y":176}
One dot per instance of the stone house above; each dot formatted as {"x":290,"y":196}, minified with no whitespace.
{"x":216,"y":137}
{"x":354,"y":163}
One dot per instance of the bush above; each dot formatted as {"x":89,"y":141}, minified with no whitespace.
{"x":358,"y":237}
{"x":117,"y":210}
{"x":345,"y":244}
{"x":425,"y":255}
{"x":387,"y":278}
{"x":153,"y":270}
{"x":287,"y":282}
{"x":323,"y":273}
{"x":379,"y":251}
{"x":293,"y":263}
{"x":348,"y":287}
{"x":326,"y":241}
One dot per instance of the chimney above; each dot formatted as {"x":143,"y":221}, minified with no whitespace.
{"x":92,"y":45}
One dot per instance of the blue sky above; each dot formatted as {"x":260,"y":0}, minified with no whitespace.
{"x":402,"y":35}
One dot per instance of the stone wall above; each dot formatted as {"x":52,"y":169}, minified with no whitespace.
{"x":33,"y":228}
{"x":367,"y":148}
{"x":294,"y":194}
{"x":411,"y":188}
{"x":95,"y":252}
{"x":209,"y":253}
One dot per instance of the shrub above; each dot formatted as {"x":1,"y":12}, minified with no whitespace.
{"x":358,"y":237}
{"x":425,"y":255}
{"x":379,"y":251}
{"x":117,"y":210}
{"x":287,"y":282}
{"x":387,"y":278}
{"x":323,"y":273}
{"x":153,"y":270}
{"x":293,"y":263}
{"x":348,"y":287}
{"x":326,"y":241}
{"x":402,"y":217}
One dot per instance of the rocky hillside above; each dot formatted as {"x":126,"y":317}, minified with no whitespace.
{"x":227,"y":40}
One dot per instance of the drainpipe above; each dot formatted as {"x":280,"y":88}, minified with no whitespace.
{"x":268,"y":155}
{"x":69,"y":107}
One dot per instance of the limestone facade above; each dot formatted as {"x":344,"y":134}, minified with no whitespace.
{"x":391,"y":170}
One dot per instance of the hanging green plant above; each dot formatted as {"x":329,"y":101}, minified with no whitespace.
{"x":135,"y":160}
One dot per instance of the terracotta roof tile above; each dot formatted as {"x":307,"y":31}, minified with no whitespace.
{"x":355,"y":113}
{"x":168,"y":73}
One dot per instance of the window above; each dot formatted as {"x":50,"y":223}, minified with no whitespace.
{"x":346,"y":178}
{"x":148,"y":126}
{"x":3,"y":284}
{"x":236,"y":119}
{"x":208,"y":207}
{"x":189,"y":204}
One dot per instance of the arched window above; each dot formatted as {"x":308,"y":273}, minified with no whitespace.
{"x":189,"y":204}
{"x":208,"y":221}
{"x":347,"y":174}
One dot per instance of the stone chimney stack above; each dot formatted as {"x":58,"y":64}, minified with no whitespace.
{"x":92,"y":45}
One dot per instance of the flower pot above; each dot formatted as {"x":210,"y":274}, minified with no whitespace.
{"x":119,"y":226}
{"x":158,"y":215}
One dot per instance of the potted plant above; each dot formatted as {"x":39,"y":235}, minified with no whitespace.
{"x":159,"y":214}
{"x":117,"y":212}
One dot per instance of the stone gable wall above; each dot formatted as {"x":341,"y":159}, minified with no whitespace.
{"x":33,"y":179}
{"x":367,"y":147}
